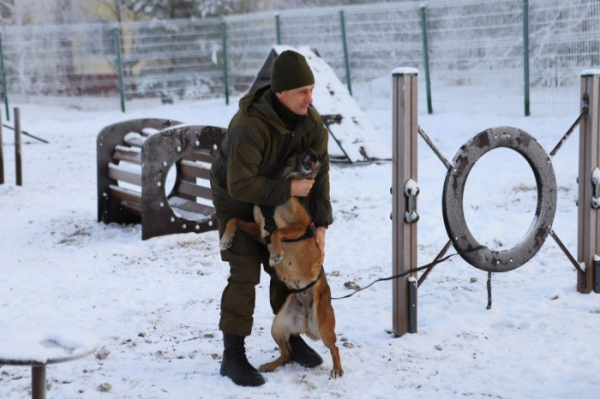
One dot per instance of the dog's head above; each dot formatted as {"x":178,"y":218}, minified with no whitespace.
{"x":304,"y":164}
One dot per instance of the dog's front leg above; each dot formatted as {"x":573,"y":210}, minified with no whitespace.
{"x":281,"y":334}
{"x":289,"y":232}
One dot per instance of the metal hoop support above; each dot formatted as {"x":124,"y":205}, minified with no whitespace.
{"x":454,"y":186}
{"x":405,"y":190}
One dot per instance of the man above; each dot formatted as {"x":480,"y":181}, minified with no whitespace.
{"x":271,"y":124}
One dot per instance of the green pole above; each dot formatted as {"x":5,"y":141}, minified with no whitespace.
{"x":225,"y":71}
{"x":526,"y":56}
{"x":4,"y":89}
{"x":119,"y":67}
{"x":346,"y":60}
{"x":426,"y":58}
{"x":278,"y":28}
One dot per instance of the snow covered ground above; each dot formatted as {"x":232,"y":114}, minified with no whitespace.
{"x":153,"y":305}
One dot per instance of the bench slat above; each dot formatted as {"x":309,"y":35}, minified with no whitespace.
{"x":194,"y":190}
{"x":131,"y":207}
{"x":125,"y":194}
{"x":128,"y":154}
{"x":134,"y":139}
{"x":195,"y":207}
{"x":117,"y":173}
{"x":194,"y":169}
{"x":200,"y":156}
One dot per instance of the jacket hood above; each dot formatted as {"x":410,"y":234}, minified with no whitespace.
{"x":260,"y":104}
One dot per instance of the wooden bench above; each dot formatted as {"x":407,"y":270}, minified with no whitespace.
{"x":157,"y":172}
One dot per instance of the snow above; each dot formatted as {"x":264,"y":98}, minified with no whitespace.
{"x":42,"y":345}
{"x":411,"y":188}
{"x":596,"y":176}
{"x":405,"y":71}
{"x":153,"y":306}
{"x":590,"y":72}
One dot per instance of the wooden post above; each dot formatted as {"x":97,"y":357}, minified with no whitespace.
{"x":19,"y":172}
{"x":38,"y":382}
{"x":588,"y":237}
{"x":404,"y":190}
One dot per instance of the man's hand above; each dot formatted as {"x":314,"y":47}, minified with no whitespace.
{"x":320,"y":238}
{"x":301,"y":187}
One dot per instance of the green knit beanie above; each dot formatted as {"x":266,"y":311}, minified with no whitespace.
{"x":290,"y":71}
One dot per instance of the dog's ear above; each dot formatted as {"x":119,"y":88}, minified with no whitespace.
{"x":289,"y":168}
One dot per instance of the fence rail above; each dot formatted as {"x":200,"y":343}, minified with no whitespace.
{"x":525,"y":50}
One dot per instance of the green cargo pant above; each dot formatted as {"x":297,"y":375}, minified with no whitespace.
{"x":245,"y":257}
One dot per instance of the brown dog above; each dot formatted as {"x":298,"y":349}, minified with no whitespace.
{"x":308,"y":308}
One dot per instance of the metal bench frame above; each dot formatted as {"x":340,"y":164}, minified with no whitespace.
{"x":189,"y":149}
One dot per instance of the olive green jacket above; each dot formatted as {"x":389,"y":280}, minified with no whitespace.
{"x":257,"y":143}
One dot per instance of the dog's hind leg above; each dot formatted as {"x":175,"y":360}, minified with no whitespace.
{"x":228,"y":234}
{"x":234,"y":225}
{"x":326,"y":319}
{"x":329,"y":339}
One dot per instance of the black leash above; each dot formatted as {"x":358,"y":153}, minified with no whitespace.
{"x":418,"y":269}
{"x":28,"y":134}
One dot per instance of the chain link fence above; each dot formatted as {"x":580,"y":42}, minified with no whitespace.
{"x":504,"y":55}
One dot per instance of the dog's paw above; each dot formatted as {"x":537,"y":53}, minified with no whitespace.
{"x":266,"y":368}
{"x":226,"y":242}
{"x":336,"y":373}
{"x":275,"y":259}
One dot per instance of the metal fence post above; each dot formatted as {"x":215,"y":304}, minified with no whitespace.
{"x":3,"y":70}
{"x":404,"y":178}
{"x":278,"y":28}
{"x":225,"y":71}
{"x":346,"y":59}
{"x":117,"y":36}
{"x":526,"y":56}
{"x":1,"y":154}
{"x":588,"y":236}
{"x":426,"y":58}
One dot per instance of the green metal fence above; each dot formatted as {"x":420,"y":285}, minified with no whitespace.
{"x":528,"y":53}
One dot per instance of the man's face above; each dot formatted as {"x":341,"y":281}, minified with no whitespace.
{"x":297,"y":100}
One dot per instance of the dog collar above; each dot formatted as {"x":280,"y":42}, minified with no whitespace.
{"x":310,"y":285}
{"x":268,"y":213}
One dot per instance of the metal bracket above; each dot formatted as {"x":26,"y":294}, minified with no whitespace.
{"x":597,"y":276}
{"x":411,"y":191}
{"x":412,"y":305}
{"x":596,"y":184}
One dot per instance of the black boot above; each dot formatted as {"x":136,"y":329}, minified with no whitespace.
{"x":302,"y":353}
{"x":235,"y":365}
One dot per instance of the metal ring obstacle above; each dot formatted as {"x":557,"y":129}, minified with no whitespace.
{"x":452,"y":201}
